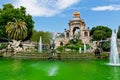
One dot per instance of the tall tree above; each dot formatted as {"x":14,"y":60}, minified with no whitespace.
{"x":99,"y":35}
{"x":8,"y":13}
{"x":46,"y":36}
{"x":118,"y":34}
{"x":16,"y":30}
{"x":100,"y":32}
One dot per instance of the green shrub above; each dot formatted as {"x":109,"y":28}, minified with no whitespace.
{"x":60,"y":48}
{"x":105,"y":46}
{"x":73,"y":45}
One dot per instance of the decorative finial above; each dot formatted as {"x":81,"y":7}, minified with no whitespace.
{"x":76,"y":14}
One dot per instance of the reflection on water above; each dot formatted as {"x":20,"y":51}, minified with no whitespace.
{"x":114,"y":73}
{"x":53,"y":71}
{"x":48,"y":69}
{"x":17,"y":69}
{"x":16,"y":65}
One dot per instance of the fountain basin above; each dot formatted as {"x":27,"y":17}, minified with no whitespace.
{"x":110,"y":64}
{"x":30,"y":69}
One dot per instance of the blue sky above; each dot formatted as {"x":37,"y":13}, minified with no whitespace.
{"x":54,"y":15}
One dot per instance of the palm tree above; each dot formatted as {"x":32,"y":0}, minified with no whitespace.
{"x":16,"y":30}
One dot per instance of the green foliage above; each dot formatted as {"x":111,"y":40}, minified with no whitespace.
{"x":73,"y":45}
{"x":8,"y":13}
{"x":75,"y":41}
{"x":35,"y":36}
{"x":100,"y":32}
{"x":3,"y":46}
{"x":105,"y":46}
{"x":61,"y":48}
{"x":46,"y":36}
{"x":98,"y":35}
{"x":16,"y":30}
{"x":118,"y":33}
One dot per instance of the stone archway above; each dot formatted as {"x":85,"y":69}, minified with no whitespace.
{"x":76,"y":32}
{"x":61,"y":43}
{"x":85,"y":34}
{"x":67,"y":35}
{"x":77,"y":27}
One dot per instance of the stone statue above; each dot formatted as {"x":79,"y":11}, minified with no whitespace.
{"x":14,"y":46}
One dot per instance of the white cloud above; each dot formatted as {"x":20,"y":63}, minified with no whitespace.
{"x":45,"y":8}
{"x":62,"y":4}
{"x":107,"y":8}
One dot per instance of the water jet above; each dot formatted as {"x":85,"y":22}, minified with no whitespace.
{"x":114,"y":55}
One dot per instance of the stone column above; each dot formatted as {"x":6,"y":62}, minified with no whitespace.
{"x":82,"y":32}
{"x":71,"y":33}
{"x":65,"y":33}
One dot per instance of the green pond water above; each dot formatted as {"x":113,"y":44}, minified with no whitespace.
{"x":25,"y":69}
